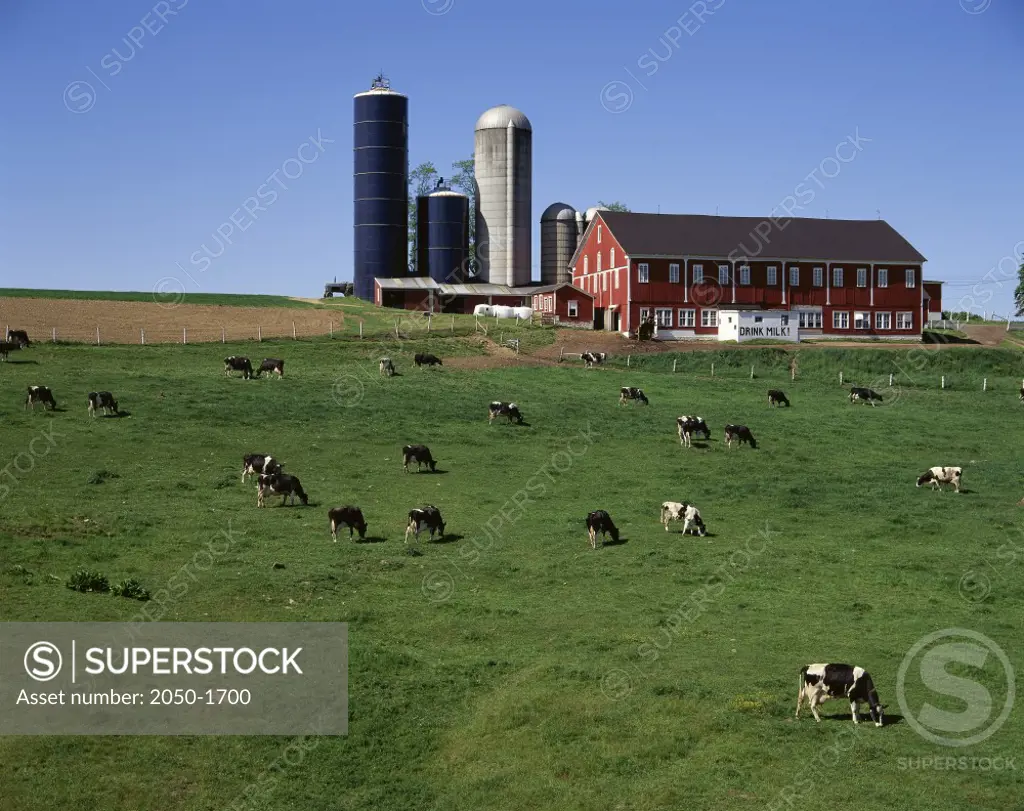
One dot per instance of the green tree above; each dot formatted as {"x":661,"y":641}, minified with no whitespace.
{"x":1018,"y":294}
{"x":464,"y":180}
{"x":422,"y":180}
{"x":615,"y":206}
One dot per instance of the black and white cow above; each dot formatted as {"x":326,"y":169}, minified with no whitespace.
{"x":102,"y":400}
{"x":422,"y":519}
{"x":40,"y":394}
{"x":387,"y":368}
{"x":777,"y":398}
{"x":590,"y":359}
{"x":688,"y":426}
{"x":7,"y":347}
{"x":739,"y":434}
{"x":631,"y":393}
{"x":938,"y":476}
{"x":864,"y":395}
{"x":687,"y":513}
{"x":426,"y":359}
{"x":350,"y":517}
{"x":279,"y":484}
{"x":1022,"y":393}
{"x":19,"y":337}
{"x":510,"y":410}
{"x":600,"y":521}
{"x":237,"y":364}
{"x":420,"y":454}
{"x":255,"y":463}
{"x":271,"y":365}
{"x":820,"y":682}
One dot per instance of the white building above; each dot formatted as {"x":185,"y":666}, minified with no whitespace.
{"x":751,"y":325}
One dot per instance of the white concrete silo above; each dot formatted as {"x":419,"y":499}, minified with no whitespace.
{"x":503,"y":167}
{"x":558,"y":240}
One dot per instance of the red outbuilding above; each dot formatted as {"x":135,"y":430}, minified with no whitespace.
{"x":564,"y":303}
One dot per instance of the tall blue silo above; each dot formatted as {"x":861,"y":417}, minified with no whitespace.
{"x":442,"y":235}
{"x":381,"y":212}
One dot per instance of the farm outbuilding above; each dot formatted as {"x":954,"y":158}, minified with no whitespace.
{"x":565,"y":304}
{"x":428,"y":295}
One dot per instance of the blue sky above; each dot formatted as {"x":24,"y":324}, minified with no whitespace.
{"x":687,"y":106}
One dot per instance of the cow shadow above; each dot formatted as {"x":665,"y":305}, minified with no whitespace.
{"x":613,"y":542}
{"x":844,"y":717}
{"x":118,"y":416}
{"x":23,"y":362}
{"x":448,"y":538}
{"x":369,"y":539}
{"x":431,"y":472}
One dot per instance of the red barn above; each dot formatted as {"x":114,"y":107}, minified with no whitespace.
{"x":834,"y":278}
{"x":564,"y":303}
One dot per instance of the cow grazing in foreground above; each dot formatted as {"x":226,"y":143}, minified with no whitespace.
{"x":820,"y":682}
{"x":19,"y":337}
{"x":510,"y":410}
{"x":40,"y":394}
{"x":420,"y":454}
{"x":590,"y":359}
{"x":688,"y":426}
{"x":7,"y":347}
{"x":350,"y":517}
{"x":739,"y":434}
{"x":864,"y":395}
{"x":237,"y":364}
{"x":687,"y":513}
{"x":938,"y":476}
{"x":102,"y":400}
{"x":1022,"y":393}
{"x":631,"y":393}
{"x":777,"y":398}
{"x":422,"y":519}
{"x":275,"y":365}
{"x":426,"y":359}
{"x":387,"y":368}
{"x":255,"y":463}
{"x":279,"y":484}
{"x":600,"y":521}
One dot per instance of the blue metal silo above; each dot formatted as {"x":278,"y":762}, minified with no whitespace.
{"x":442,"y":235}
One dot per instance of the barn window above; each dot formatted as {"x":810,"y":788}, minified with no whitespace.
{"x":757,"y":319}
{"x":547,"y":303}
{"x":723,"y":274}
{"x":785,"y":320}
{"x":818,"y":278}
{"x":810,"y":320}
{"x":910,"y":277}
{"x":698,"y":274}
{"x":673,"y":273}
{"x":599,"y":235}
{"x":663,"y":317}
{"x":604,"y":281}
{"x":687,"y":318}
{"x":574,"y":309}
{"x":904,"y":320}
{"x":837,"y":277}
{"x":794,"y":277}
{"x":598,"y":261}
{"x":883,"y":321}
{"x":861,"y":320}
{"x":709,"y":318}
{"x":611,"y":257}
{"x":840,"y":320}
{"x":862,"y":277}
{"x":586,"y":264}
{"x":744,"y":274}
{"x":883,"y":277}
{"x":773,"y":275}
{"x":644,"y":273}
{"x":644,"y":314}
{"x":616,"y":274}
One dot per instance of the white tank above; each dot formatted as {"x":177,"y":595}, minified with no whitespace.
{"x":504,"y":312}
{"x":525,"y":313}
{"x":483,"y":309}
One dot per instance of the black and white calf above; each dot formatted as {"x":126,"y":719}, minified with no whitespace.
{"x":422,"y":519}
{"x":19,"y":337}
{"x":592,"y":358}
{"x":255,"y":463}
{"x":739,"y":434}
{"x":420,"y":454}
{"x":346,"y":517}
{"x":777,"y":398}
{"x":426,"y":359}
{"x":819,"y":683}
{"x":102,"y":400}
{"x":387,"y":368}
{"x":279,"y":484}
{"x":40,"y":394}
{"x":7,"y":347}
{"x":864,"y":395}
{"x":510,"y":410}
{"x":238,"y":364}
{"x":600,"y":521}
{"x":631,"y":393}
{"x":687,"y":513}
{"x":688,"y":426}
{"x":275,"y":365}
{"x":938,"y":476}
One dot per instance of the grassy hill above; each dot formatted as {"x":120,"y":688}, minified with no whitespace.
{"x":225,"y":299}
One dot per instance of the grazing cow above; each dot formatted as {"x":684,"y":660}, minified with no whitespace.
{"x":777,"y":398}
{"x":739,"y":434}
{"x":255,"y":463}
{"x":102,"y":400}
{"x":422,"y":519}
{"x":420,"y":454}
{"x":351,"y":517}
{"x":688,"y":426}
{"x":510,"y":410}
{"x":271,"y":365}
{"x":938,"y":476}
{"x":600,"y":521}
{"x":8,"y":346}
{"x":426,"y":359}
{"x":279,"y":484}
{"x":630,"y":393}
{"x":237,"y":364}
{"x":591,"y":358}
{"x":864,"y":395}
{"x":18,"y":336}
{"x":1022,"y":393}
{"x":687,"y":513}
{"x":387,"y":368}
{"x":40,"y":394}
{"x":820,"y":682}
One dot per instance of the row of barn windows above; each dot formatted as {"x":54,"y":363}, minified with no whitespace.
{"x":611,"y":261}
{"x":591,"y":285}
{"x":817,"y":275}
{"x":686,"y":318}
{"x":573,"y":306}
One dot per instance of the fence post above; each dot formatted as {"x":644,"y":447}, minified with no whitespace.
{"x":223,"y":336}
{"x":984,"y":384}
{"x":259,"y":333}
{"x":55,"y":335}
{"x":453,"y":325}
{"x":712,"y":370}
{"x":890,"y":380}
{"x":428,"y":323}
{"x":674,"y":365}
{"x":840,"y":378}
{"x":184,"y":335}
{"x":293,"y":332}
{"x":628,"y":359}
{"x":943,"y":381}
{"x":360,"y":330}
{"x":751,"y":371}
{"x":97,"y":335}
{"x":561,"y":349}
{"x":332,"y":328}
{"x":143,"y":336}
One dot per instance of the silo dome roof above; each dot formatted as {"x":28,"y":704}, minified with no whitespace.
{"x":593,"y":210}
{"x":558,"y":211}
{"x":501,"y":116}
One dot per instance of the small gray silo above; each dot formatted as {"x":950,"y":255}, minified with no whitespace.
{"x":442,"y":235}
{"x":503,"y":170}
{"x":558,"y":239}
